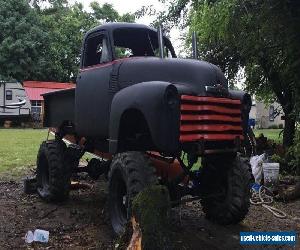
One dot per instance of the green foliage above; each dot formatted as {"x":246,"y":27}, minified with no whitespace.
{"x":294,"y":154}
{"x":260,"y":38}
{"x":127,"y":18}
{"x":44,"y":43}
{"x":284,"y":167}
{"x":106,"y":13}
{"x":65,"y":28}
{"x":250,"y":34}
{"x":290,"y":161}
{"x":21,"y":40}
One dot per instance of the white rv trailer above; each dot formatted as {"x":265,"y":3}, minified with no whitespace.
{"x":14,"y":103}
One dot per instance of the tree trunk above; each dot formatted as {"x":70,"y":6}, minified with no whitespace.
{"x":149,"y":227}
{"x":151,"y":208}
{"x":289,"y":130}
{"x":284,"y":95}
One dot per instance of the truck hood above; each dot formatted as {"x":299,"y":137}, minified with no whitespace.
{"x":190,"y":76}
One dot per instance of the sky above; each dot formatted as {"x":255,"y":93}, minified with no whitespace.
{"x":125,"y":6}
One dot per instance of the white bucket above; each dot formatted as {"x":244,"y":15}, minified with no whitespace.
{"x":271,"y":175}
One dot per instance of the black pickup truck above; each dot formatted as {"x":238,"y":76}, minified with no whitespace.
{"x":151,"y":117}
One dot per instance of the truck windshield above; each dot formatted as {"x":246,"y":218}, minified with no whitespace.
{"x":131,"y":42}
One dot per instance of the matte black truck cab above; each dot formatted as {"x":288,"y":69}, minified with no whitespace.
{"x":127,"y":98}
{"x":148,"y":118}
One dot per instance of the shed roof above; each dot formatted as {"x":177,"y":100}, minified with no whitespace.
{"x":35,"y":89}
{"x":48,"y":85}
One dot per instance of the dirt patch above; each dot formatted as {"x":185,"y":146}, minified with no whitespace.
{"x":78,"y":223}
{"x":81,"y":223}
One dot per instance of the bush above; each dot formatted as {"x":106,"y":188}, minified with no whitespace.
{"x":274,"y":126}
{"x":294,"y":154}
{"x":280,"y":126}
{"x":285,"y":169}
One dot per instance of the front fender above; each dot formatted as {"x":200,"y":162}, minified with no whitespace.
{"x":149,"y":99}
{"x":246,"y":101}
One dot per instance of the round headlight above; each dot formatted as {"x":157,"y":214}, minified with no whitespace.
{"x":171,"y":96}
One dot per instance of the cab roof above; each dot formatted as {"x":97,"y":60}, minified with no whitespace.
{"x":110,"y":27}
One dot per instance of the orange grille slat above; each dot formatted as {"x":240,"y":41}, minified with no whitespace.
{"x":210,"y":118}
{"x":187,"y":107}
{"x":209,"y":137}
{"x":210,"y":99}
{"x":188,"y":128}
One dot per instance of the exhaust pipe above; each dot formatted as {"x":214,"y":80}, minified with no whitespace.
{"x":160,"y":41}
{"x":194,"y":45}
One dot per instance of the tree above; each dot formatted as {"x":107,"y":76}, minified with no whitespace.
{"x":41,"y":39}
{"x":260,"y":37}
{"x":65,"y":27}
{"x":104,"y":13}
{"x":107,"y":13}
{"x":21,"y":40}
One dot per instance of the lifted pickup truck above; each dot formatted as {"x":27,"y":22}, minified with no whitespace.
{"x":150,"y":117}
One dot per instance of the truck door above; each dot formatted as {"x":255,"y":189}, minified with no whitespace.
{"x":92,"y":99}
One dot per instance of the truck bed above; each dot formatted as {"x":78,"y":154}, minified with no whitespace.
{"x":59,"y":106}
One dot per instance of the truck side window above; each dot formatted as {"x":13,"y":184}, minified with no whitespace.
{"x":8,"y":95}
{"x":96,"y":51}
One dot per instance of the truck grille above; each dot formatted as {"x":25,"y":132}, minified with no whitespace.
{"x":210,"y":119}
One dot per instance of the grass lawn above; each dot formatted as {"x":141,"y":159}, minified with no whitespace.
{"x":18,"y":149}
{"x":272,"y":134}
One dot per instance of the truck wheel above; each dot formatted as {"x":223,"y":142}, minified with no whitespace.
{"x":129,"y":174}
{"x":53,"y":172}
{"x":225,"y":189}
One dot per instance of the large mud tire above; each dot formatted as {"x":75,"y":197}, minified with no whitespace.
{"x":53,"y":171}
{"x":225,"y":186}
{"x":129,"y":174}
